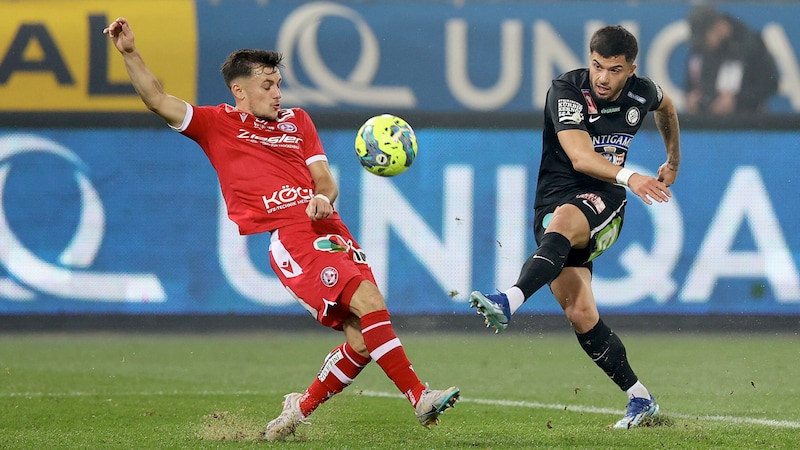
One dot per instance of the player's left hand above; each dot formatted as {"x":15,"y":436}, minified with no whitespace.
{"x":319,"y":208}
{"x":649,"y":188}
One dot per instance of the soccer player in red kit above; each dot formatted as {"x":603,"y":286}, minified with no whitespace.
{"x":275,"y":178}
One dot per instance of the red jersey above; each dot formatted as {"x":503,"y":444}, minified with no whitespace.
{"x":262,"y":165}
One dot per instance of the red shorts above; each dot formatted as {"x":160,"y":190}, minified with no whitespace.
{"x":318,"y":262}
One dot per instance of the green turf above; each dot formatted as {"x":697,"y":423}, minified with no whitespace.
{"x":127,"y":391}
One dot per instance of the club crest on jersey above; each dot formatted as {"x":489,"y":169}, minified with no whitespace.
{"x":329,"y":276}
{"x":632,"y":116}
{"x":287,"y":127}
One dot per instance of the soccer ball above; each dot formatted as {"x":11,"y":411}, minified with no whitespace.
{"x":386,"y":145}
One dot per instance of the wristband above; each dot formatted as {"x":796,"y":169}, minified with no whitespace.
{"x":624,"y":175}
{"x":324,"y":197}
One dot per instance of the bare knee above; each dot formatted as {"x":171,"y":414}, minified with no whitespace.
{"x":582,"y":317}
{"x":573,"y":291}
{"x":352,"y":333}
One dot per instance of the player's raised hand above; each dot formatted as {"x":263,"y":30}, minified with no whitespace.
{"x":121,"y":35}
{"x":667,"y":174}
{"x":649,"y":188}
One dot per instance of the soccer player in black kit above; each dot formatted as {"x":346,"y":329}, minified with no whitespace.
{"x":590,"y":118}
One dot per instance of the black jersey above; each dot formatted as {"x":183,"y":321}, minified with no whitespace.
{"x":611,"y":125}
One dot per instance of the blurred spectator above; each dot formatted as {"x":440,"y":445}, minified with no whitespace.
{"x":730,"y":69}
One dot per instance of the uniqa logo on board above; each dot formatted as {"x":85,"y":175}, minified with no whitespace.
{"x":71,"y":278}
{"x":298,"y":34}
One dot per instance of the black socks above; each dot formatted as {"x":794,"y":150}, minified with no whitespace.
{"x":607,"y":351}
{"x":545,"y":264}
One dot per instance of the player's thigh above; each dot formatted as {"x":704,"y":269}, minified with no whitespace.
{"x":572,"y":289}
{"x":569,"y":221}
{"x":366,"y":299}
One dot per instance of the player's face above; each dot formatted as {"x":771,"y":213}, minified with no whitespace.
{"x":609,"y":75}
{"x":260,"y":94}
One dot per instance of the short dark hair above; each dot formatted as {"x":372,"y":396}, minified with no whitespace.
{"x":242,"y":62}
{"x":614,"y":40}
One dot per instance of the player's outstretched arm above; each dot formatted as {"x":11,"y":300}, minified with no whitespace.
{"x":170,"y":108}
{"x":578,"y":146}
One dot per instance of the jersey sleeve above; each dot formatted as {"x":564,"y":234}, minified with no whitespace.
{"x":653,"y":93}
{"x":196,"y":121}
{"x":312,"y":146}
{"x":566,"y":107}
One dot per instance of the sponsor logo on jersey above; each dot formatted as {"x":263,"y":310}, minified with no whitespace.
{"x":284,"y":140}
{"x":284,"y":115}
{"x":613,"y":147}
{"x":609,"y":110}
{"x":287,"y":197}
{"x":622,"y":140}
{"x":570,"y":111}
{"x":261,"y":124}
{"x":590,"y":105}
{"x":638,"y":98}
{"x":593,"y":201}
{"x":335,"y":243}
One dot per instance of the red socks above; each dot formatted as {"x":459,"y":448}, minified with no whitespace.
{"x":338,"y":370}
{"x":343,"y":364}
{"x":386,"y":349}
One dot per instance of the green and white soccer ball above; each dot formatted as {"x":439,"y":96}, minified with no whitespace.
{"x":386,"y":145}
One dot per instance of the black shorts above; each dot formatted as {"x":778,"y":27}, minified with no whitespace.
{"x":605,"y":216}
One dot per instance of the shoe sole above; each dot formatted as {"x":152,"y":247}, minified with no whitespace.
{"x":448,"y":403}
{"x":489,"y":311}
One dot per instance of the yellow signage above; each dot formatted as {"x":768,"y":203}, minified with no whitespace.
{"x":55,"y":57}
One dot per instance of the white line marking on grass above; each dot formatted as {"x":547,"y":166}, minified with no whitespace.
{"x":480,"y":401}
{"x":610,"y":411}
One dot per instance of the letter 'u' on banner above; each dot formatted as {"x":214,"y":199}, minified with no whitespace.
{"x":55,"y":57}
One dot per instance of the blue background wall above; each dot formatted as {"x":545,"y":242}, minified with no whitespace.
{"x":161,"y":244}
{"x":128,"y":220}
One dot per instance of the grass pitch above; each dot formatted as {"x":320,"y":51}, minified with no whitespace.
{"x":129,"y":391}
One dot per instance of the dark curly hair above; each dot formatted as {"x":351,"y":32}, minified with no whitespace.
{"x":614,"y":40}
{"x":242,"y":62}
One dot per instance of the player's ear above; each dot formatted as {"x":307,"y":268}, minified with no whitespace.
{"x":237,"y":91}
{"x":633,"y":68}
